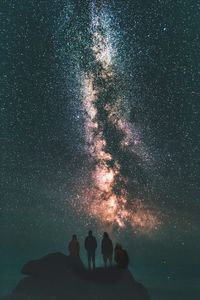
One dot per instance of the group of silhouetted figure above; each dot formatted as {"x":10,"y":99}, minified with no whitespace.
{"x":120,"y":255}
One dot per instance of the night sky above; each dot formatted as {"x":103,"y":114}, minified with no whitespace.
{"x":100,"y":129}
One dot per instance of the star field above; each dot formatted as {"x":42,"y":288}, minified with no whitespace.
{"x":99,"y":112}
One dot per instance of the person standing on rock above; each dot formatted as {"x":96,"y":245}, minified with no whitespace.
{"x":107,"y":249}
{"x":121,"y":257}
{"x":74,"y":247}
{"x":90,"y":246}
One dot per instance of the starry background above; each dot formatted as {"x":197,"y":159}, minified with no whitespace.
{"x":43,"y":162}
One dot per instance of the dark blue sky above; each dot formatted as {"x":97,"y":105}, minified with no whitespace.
{"x":43,"y":163}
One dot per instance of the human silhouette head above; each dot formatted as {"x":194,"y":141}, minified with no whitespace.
{"x":90,"y":232}
{"x":74,"y":237}
{"x":118,"y":246}
{"x":105,"y":235}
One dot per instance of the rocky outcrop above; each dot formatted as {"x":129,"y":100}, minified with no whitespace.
{"x":60,"y":277}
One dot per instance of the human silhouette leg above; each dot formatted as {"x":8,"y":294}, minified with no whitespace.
{"x":89,"y":260}
{"x":110,"y":260}
{"x":105,"y":260}
{"x":93,"y":260}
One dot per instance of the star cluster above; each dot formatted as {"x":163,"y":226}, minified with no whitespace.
{"x":106,"y":119}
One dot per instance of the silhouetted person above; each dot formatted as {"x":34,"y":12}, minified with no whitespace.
{"x":90,"y":246}
{"x":107,"y":249}
{"x":121,"y":256}
{"x":74,"y":247}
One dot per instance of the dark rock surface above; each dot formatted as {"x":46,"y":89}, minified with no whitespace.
{"x":59,"y":277}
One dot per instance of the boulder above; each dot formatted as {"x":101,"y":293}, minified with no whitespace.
{"x":60,"y":277}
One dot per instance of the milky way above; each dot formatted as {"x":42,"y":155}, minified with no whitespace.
{"x":105,"y":119}
{"x":100,"y":127}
